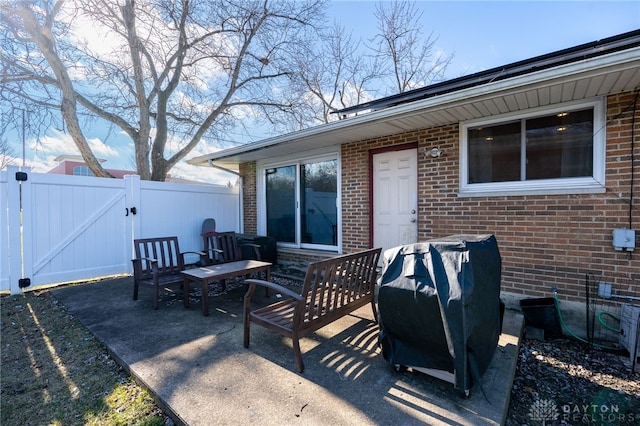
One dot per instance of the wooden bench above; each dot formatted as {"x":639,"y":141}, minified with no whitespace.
{"x":331,"y":289}
{"x":158,"y":264}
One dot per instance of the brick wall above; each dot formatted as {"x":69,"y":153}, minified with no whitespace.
{"x":249,"y":197}
{"x":544,"y":240}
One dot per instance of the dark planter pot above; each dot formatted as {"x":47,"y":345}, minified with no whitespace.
{"x":542,"y":313}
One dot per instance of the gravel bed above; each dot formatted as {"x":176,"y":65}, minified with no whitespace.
{"x":566,"y":382}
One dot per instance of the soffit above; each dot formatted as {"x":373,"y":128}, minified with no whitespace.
{"x":619,"y":72}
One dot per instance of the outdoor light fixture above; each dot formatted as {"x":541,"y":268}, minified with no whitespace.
{"x":434,"y":152}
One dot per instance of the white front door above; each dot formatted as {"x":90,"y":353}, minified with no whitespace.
{"x":395,"y":198}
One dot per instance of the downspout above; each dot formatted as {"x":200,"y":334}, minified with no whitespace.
{"x":240,"y":193}
{"x":633,"y":148}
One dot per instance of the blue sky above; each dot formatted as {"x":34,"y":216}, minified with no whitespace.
{"x":487,"y":34}
{"x":481,"y":35}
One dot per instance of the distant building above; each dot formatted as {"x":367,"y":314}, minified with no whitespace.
{"x":74,"y":165}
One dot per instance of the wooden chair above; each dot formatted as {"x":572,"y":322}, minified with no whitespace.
{"x":158,"y":264}
{"x":223,"y":247}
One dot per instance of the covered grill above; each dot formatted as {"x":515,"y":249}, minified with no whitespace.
{"x":439,"y":307}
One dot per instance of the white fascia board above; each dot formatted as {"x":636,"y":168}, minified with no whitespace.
{"x":589,"y":67}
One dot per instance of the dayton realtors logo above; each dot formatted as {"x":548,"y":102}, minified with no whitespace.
{"x":544,"y":410}
{"x":547,"y":412}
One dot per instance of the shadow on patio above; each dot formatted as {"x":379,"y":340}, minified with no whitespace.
{"x":199,"y":371}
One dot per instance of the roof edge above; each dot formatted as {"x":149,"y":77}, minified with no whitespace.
{"x":584,"y":51}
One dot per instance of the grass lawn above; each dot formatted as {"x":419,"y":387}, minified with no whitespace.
{"x":54,"y":371}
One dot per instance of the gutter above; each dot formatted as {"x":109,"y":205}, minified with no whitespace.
{"x":585,"y":51}
{"x":224,"y":169}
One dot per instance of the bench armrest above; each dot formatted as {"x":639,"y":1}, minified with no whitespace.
{"x":212,"y":255}
{"x":273,"y":286}
{"x":137,"y":265}
{"x":199,"y":253}
{"x":256,"y":248}
{"x":214,"y":250}
{"x":140,"y":259}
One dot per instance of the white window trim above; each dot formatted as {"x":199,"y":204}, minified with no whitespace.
{"x":594,"y":184}
{"x":261,"y":192}
{"x":83,"y":170}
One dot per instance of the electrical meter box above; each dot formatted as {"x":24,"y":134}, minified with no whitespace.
{"x":624,"y":239}
{"x":629,"y":323}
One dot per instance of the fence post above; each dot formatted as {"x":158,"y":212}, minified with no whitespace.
{"x":19,"y":195}
{"x":132,"y":200}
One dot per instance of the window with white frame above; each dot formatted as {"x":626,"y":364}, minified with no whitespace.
{"x":301,"y":203}
{"x":552,"y":150}
{"x":82,"y":171}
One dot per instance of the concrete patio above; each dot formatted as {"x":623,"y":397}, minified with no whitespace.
{"x":201,"y":374}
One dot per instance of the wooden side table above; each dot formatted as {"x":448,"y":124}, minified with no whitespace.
{"x":210,"y":274}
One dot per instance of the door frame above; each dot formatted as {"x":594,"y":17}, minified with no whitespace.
{"x":372,"y":152}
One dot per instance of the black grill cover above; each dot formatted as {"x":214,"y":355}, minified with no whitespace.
{"x":439,"y":305}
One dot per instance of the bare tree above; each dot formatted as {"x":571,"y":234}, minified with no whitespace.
{"x":407,"y":56}
{"x":7,"y":154}
{"x":338,"y":75}
{"x":167,"y":73}
{"x":344,"y":72}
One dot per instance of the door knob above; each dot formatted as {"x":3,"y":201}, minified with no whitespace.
{"x":413,"y":219}
{"x":413,"y":212}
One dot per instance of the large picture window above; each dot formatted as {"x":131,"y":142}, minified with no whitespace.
{"x":547,"y":151}
{"x":281,"y":203}
{"x":301,"y":203}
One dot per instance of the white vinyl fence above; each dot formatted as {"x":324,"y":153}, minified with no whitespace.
{"x":58,"y":228}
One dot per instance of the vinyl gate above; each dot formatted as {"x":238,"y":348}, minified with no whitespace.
{"x":58,"y":228}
